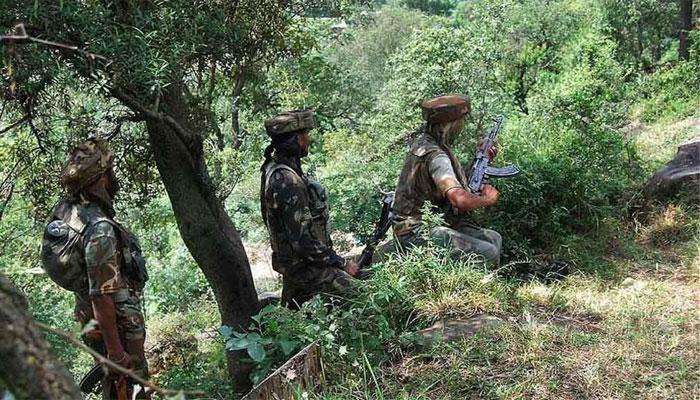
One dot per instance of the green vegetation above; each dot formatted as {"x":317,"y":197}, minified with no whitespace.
{"x":595,"y":99}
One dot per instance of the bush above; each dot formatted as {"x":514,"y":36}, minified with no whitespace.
{"x":669,"y":93}
{"x":373,"y":324}
{"x":186,"y":353}
{"x":576,"y":165}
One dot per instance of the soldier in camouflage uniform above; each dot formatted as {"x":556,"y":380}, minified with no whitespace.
{"x":432,"y":173}
{"x":295,"y":210}
{"x":106,"y":292}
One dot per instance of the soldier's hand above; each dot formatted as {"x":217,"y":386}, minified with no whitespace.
{"x":352,"y":268}
{"x":490,"y":195}
{"x":493,"y":151}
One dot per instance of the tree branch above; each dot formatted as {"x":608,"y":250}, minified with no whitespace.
{"x":235,"y":98}
{"x":128,"y":100}
{"x":20,"y":36}
{"x":15,"y":124}
{"x":117,"y":367}
{"x":3,"y":206}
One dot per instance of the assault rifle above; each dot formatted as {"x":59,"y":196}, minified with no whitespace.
{"x":94,"y":377}
{"x":480,"y":170}
{"x":387,"y":216}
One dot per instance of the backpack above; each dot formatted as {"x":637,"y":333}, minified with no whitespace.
{"x":134,"y":263}
{"x":63,"y":252}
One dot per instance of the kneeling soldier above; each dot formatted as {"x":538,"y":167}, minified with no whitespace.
{"x":432,"y":173}
{"x":295,"y":210}
{"x":86,"y":251}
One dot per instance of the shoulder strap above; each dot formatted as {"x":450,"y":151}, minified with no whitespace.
{"x":70,"y":214}
{"x":424,"y":147}
{"x":272,"y":168}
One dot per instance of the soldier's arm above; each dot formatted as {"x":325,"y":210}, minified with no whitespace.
{"x":445,"y":179}
{"x":104,"y":278}
{"x":292,"y":205}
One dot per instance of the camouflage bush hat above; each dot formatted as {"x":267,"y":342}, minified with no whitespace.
{"x":445,"y":108}
{"x":290,"y":121}
{"x":86,"y":163}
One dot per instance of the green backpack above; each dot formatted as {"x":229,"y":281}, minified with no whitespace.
{"x":63,"y":251}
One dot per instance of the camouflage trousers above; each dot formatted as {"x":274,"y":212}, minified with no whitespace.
{"x":302,"y":284}
{"x":463,"y":240}
{"x":130,"y":326}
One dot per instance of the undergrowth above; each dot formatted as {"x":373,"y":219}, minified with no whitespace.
{"x":628,"y":335}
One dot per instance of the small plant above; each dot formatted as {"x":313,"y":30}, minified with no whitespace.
{"x":275,"y":334}
{"x":668,"y":227}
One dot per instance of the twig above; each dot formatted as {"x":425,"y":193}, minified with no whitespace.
{"x":117,"y":367}
{"x":7,"y":200}
{"x":20,"y":35}
{"x":15,"y":124}
{"x":29,"y":111}
{"x":135,"y":105}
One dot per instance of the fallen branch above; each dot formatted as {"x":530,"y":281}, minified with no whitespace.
{"x":117,"y":367}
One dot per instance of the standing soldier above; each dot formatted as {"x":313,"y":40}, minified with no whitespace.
{"x":295,"y":210}
{"x":433,"y":173}
{"x":87,"y":252}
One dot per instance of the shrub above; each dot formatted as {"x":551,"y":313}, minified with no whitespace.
{"x":375,"y":322}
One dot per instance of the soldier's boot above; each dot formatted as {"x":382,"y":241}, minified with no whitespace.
{"x":135,"y":348}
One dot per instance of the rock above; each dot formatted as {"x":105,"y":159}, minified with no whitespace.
{"x":268,"y":298}
{"x":627,"y":282}
{"x":452,"y":330}
{"x":630,"y":284}
{"x":683,"y":170}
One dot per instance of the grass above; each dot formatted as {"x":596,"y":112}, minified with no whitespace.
{"x":633,"y":336}
{"x":625,"y":328}
{"x":658,"y":141}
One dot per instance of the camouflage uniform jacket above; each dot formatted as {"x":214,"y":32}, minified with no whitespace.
{"x":101,"y":248}
{"x":103,"y":254}
{"x":295,"y":210}
{"x":427,"y":175}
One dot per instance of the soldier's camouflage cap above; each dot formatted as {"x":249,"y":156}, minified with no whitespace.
{"x":290,"y":121}
{"x":445,"y":108}
{"x":87,"y":162}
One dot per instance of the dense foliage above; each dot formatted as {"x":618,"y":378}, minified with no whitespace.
{"x":571,"y":77}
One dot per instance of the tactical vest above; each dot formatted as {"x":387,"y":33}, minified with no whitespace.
{"x":318,"y":208}
{"x":63,"y":248}
{"x":416,"y":186}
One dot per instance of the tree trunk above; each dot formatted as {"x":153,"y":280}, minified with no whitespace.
{"x":206,"y":229}
{"x":235,"y":98}
{"x":28,"y":368}
{"x":686,"y":24}
{"x":522,"y":90}
{"x":302,"y":372}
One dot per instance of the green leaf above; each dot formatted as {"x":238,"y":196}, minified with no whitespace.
{"x":256,"y":351}
{"x":225,"y":331}
{"x":267,"y":309}
{"x":237,"y":343}
{"x":288,"y":346}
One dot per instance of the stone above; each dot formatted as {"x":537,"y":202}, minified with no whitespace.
{"x":682,"y":170}
{"x":269,"y":298}
{"x":458,"y":329}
